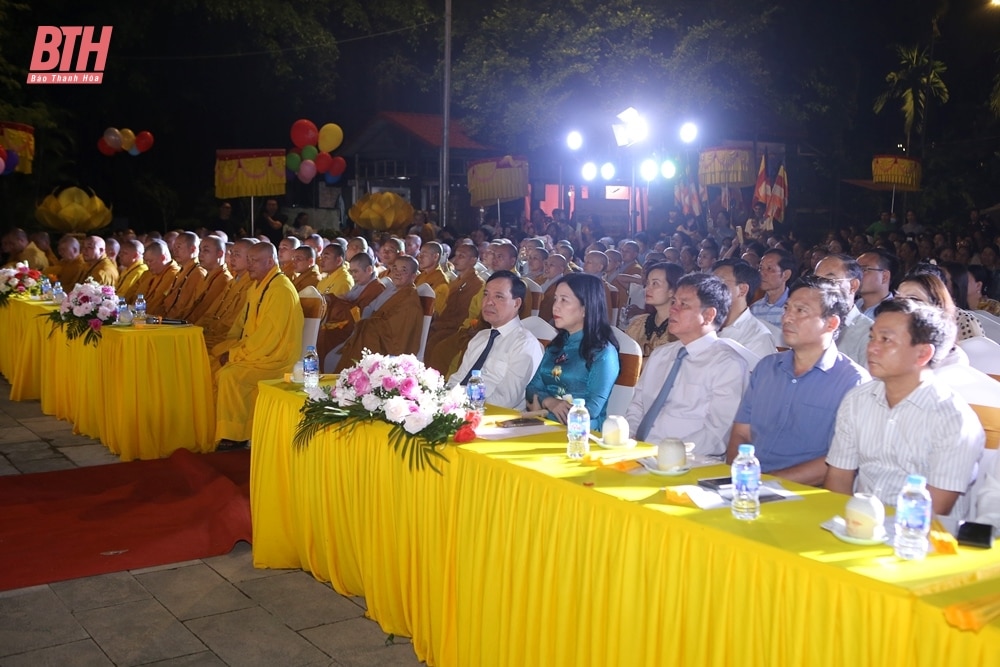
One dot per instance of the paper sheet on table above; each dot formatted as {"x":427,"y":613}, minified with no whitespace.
{"x":491,"y":432}
{"x":693,"y":495}
{"x":693,"y":461}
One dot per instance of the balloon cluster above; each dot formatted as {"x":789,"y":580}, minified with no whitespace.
{"x":8,"y":160}
{"x":311,"y":155}
{"x":117,"y":141}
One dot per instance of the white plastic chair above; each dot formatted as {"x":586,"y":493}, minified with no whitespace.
{"x":630,"y":360}
{"x":991,"y":324}
{"x":540,"y":329}
{"x":313,"y":309}
{"x":535,"y":294}
{"x":983,"y":353}
{"x":426,"y":294}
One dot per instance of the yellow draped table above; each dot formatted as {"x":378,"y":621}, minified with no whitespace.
{"x":517,"y":556}
{"x":20,"y":358}
{"x":143,"y":392}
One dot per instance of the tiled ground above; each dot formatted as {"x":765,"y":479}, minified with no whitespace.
{"x":216,"y":611}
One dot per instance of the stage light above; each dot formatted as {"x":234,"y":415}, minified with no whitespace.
{"x":607,"y":171}
{"x":589,"y":171}
{"x":574,"y":140}
{"x":689,"y":132}
{"x":668,"y":169}
{"x":648,"y":169}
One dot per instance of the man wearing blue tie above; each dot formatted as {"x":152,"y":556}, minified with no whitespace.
{"x":690,"y":389}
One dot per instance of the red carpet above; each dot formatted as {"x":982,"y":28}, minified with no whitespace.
{"x":76,"y":523}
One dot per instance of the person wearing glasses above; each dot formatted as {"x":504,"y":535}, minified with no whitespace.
{"x":878,"y":267}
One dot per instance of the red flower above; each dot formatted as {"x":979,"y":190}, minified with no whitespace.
{"x":95,"y":324}
{"x":467,"y":432}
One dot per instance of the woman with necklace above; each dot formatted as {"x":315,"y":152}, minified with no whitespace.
{"x":582,"y":360}
{"x":650,"y":329}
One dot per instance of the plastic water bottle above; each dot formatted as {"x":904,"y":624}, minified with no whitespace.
{"x":46,"y":289}
{"x":746,"y":484}
{"x":122,"y":309}
{"x":310,"y":368}
{"x":140,"y":309}
{"x":476,"y":391}
{"x":57,"y":293}
{"x":578,"y":430}
{"x":913,"y":519}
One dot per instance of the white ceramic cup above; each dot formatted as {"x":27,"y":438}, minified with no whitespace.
{"x":863,"y":516}
{"x":614,"y":431}
{"x":670,"y":454}
{"x":298,"y":375}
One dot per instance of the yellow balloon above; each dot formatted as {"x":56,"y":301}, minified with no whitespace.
{"x":128,"y":139}
{"x":330,"y":136}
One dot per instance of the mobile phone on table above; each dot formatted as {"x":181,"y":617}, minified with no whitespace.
{"x":715,"y":483}
{"x":520,"y":421}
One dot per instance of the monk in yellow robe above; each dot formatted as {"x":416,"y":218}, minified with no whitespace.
{"x":189,"y":284}
{"x":133,"y":267}
{"x":71,"y":265}
{"x":460,"y":294}
{"x":265,"y":347}
{"x":19,"y":249}
{"x":306,"y":271}
{"x":99,"y":266}
{"x":156,"y":284}
{"x":343,"y":312}
{"x":219,"y":319}
{"x":391,"y":323}
{"x":286,"y":247}
{"x":431,"y":273}
{"x":212,"y":257}
{"x":338,"y":280}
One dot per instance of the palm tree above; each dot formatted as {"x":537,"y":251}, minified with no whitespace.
{"x":915,"y":84}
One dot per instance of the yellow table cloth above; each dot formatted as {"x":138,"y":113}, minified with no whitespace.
{"x":144,"y":392}
{"x":517,"y":555}
{"x":23,"y":325}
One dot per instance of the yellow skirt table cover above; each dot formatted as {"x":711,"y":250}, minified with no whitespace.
{"x":31,"y":330}
{"x":518,"y":556}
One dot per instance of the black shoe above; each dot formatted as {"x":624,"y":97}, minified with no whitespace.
{"x":226,"y":445}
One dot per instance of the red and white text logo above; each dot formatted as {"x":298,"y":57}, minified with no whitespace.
{"x":69,"y":54}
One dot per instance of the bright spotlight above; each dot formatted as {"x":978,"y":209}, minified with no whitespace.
{"x":668,"y":169}
{"x":632,"y":129}
{"x":689,"y":132}
{"x":589,"y":171}
{"x":574,"y":140}
{"x":607,"y":171}
{"x":648,"y":169}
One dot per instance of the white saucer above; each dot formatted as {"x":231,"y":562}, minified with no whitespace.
{"x":673,"y":472}
{"x":837,"y":526}
{"x":628,"y":444}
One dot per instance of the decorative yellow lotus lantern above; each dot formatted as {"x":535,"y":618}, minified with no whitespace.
{"x":73,"y":210}
{"x":381,"y":211}
{"x":897,"y":172}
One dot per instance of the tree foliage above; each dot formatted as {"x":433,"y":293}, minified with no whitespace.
{"x":915,"y":84}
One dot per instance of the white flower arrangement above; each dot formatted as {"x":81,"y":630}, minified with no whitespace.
{"x":399,"y":390}
{"x":83,"y":311}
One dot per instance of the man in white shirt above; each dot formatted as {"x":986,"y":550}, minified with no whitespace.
{"x":846,"y":272}
{"x":507,"y":354}
{"x":700,"y":404}
{"x":906,"y":421}
{"x":741,"y":326}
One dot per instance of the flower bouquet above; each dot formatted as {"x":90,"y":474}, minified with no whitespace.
{"x":20,"y":280}
{"x":83,"y":312}
{"x":398,"y":390}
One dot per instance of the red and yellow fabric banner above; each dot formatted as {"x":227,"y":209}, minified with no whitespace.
{"x":255,"y":172}
{"x":762,"y":189}
{"x":21,"y":138}
{"x":777,"y":200}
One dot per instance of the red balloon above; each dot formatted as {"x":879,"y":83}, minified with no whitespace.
{"x":144,"y":141}
{"x":105,"y":149}
{"x":304,"y":133}
{"x":323,"y":162}
{"x":3,"y":153}
{"x":338,"y":166}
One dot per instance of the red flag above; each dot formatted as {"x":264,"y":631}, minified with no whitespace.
{"x":777,"y":201}
{"x":762,"y":190}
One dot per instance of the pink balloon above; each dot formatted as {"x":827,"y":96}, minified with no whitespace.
{"x":113,"y":138}
{"x":3,"y":165}
{"x":307,"y":171}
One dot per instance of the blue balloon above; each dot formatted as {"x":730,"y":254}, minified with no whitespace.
{"x":133,"y":151}
{"x":289,"y":174}
{"x":12,"y":159}
{"x":331,"y":179}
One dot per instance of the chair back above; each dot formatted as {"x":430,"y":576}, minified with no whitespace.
{"x":991,"y":324}
{"x":615,"y":302}
{"x":540,"y":329}
{"x":426,"y":294}
{"x":989,"y":417}
{"x":535,"y":295}
{"x":630,"y":360}
{"x":313,"y":311}
{"x":983,"y":353}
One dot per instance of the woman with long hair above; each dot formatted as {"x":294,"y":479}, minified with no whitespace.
{"x":582,"y":360}
{"x":926,"y":286}
{"x":650,"y":329}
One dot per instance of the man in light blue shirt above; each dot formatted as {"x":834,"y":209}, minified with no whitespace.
{"x":790,"y":408}
{"x":777,"y":267}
